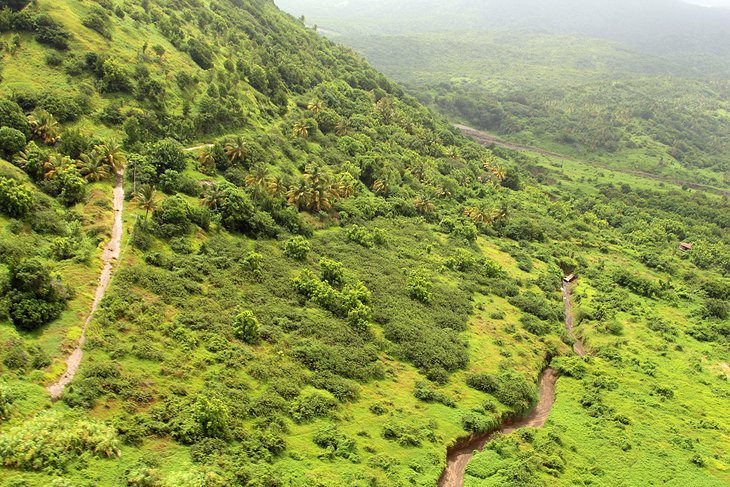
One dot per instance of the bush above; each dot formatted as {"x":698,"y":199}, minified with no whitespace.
{"x":246,"y":327}
{"x":419,"y":288}
{"x":297,"y":247}
{"x":15,"y":200}
{"x":200,"y":52}
{"x":36,"y":297}
{"x":332,"y":272}
{"x":171,"y":217}
{"x":475,"y":422}
{"x":425,"y":393}
{"x":516,"y":392}
{"x":15,"y":5}
{"x":716,"y":308}
{"x":52,"y":440}
{"x":12,"y":116}
{"x":536,"y":305}
{"x":312,"y":404}
{"x":12,"y":141}
{"x":6,"y":402}
{"x":535,"y":325}
{"x":480,"y":381}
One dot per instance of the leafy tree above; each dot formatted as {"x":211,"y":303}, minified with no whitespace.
{"x":15,"y":5}
{"x":200,"y":52}
{"x":11,"y":115}
{"x":167,"y":154}
{"x":171,"y":217}
{"x":36,"y":297}
{"x":15,"y":200}
{"x":246,"y":327}
{"x":12,"y":141}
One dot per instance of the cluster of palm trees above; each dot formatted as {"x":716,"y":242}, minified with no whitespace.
{"x":484,"y":214}
{"x":100,"y":163}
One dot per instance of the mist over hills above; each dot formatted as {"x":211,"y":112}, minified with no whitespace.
{"x":692,"y":34}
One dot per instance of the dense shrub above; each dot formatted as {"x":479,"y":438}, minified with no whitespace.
{"x":15,"y":200}
{"x":535,"y":325}
{"x":246,"y":327}
{"x":312,"y":404}
{"x":516,"y":392}
{"x":167,"y":155}
{"x":12,"y":116}
{"x":419,"y":288}
{"x":297,"y":247}
{"x":536,"y":305}
{"x":171,"y":218}
{"x":36,"y":297}
{"x":480,"y":381}
{"x":426,"y":393}
{"x":12,"y":141}
{"x":475,"y":422}
{"x":54,"y":440}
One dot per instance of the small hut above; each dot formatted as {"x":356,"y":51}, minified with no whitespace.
{"x":685,"y":247}
{"x":570,"y":278}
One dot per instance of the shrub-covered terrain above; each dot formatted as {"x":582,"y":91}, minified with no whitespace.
{"x":321,"y":282}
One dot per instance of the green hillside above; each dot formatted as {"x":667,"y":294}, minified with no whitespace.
{"x":582,"y":97}
{"x":321,"y":282}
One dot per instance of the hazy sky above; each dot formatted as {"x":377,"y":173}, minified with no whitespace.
{"x":711,"y":3}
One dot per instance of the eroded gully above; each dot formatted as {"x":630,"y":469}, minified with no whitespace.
{"x":460,"y":454}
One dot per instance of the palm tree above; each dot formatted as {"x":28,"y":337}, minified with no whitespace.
{"x":206,"y":161}
{"x":146,"y":198}
{"x":301,"y":129}
{"x":420,"y":169}
{"x":345,"y":185}
{"x":212,"y":197}
{"x":236,"y":150}
{"x":277,"y":186}
{"x":54,"y":164}
{"x":482,"y":213}
{"x":491,"y":165}
{"x":314,"y":106}
{"x":343,"y":127}
{"x":93,"y":167}
{"x":257,"y":178}
{"x":424,"y":204}
{"x":111,"y":153}
{"x":44,"y":126}
{"x":298,"y":193}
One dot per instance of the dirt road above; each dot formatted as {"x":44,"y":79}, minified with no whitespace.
{"x":578,"y":346}
{"x":459,"y":456}
{"x":197,"y":147}
{"x":108,"y":257}
{"x":487,"y":139}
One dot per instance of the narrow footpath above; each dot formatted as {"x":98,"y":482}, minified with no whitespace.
{"x":109,"y":257}
{"x":459,"y":455}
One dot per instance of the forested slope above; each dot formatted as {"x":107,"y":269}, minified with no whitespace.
{"x":334,"y":285}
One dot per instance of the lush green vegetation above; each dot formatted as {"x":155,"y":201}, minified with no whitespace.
{"x":336,"y":284}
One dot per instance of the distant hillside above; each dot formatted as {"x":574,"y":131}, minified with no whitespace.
{"x":695,"y":36}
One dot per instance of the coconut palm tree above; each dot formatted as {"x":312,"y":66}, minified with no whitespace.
{"x":54,"y":164}
{"x":424,"y":204}
{"x":314,"y":106}
{"x":345,"y":185}
{"x":277,"y":187}
{"x":93,"y":167}
{"x":237,"y":150}
{"x":301,"y":129}
{"x":212,"y":197}
{"x":258,"y":178}
{"x":343,"y":127}
{"x":44,"y":126}
{"x":298,"y":193}
{"x":420,"y":169}
{"x":206,"y":161}
{"x":491,"y":165}
{"x":111,"y":153}
{"x":482,"y":213}
{"x":146,"y":198}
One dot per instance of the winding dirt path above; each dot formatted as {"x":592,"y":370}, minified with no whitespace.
{"x":109,"y":257}
{"x":578,"y":346}
{"x":459,"y":455}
